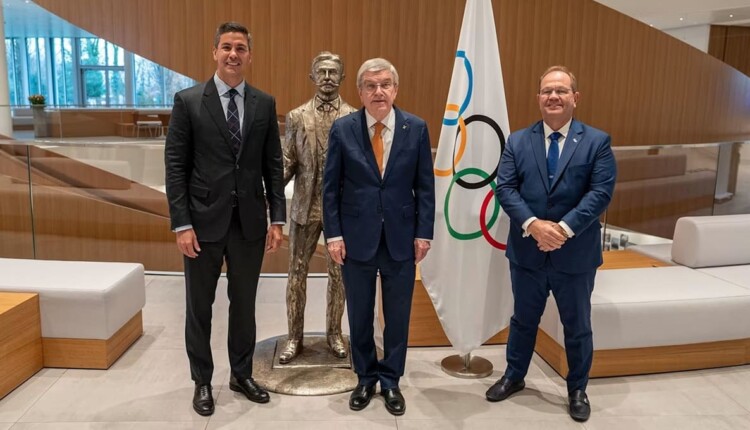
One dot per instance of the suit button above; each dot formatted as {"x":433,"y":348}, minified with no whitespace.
{"x":549,"y":205}
{"x":234,"y":193}
{"x":236,"y":167}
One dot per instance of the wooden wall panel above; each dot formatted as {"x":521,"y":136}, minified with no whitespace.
{"x":731,"y":44}
{"x":639,"y":84}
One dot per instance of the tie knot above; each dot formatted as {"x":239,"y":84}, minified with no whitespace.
{"x":555,"y":136}
{"x":379,"y":126}
{"x":232,"y":92}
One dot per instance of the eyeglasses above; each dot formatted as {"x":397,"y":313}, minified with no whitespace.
{"x":560,"y":91}
{"x":371,"y":87}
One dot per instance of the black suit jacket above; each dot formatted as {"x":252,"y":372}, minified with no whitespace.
{"x":203,"y":175}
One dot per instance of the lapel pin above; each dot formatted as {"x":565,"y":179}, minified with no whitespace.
{"x":403,"y":126}
{"x":575,"y":140}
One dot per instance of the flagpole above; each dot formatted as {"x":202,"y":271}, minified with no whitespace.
{"x":466,"y":366}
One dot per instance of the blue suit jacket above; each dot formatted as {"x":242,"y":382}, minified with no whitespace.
{"x":358,"y":203}
{"x":580,"y":192}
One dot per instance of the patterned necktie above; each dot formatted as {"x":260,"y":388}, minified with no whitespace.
{"x":552,"y":156}
{"x":377,"y":144}
{"x":233,"y":122}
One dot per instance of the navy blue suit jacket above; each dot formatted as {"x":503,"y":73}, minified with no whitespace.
{"x":580,"y":192}
{"x":358,"y":204}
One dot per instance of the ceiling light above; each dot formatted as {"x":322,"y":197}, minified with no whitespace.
{"x":731,"y":16}
{"x":681,"y":18}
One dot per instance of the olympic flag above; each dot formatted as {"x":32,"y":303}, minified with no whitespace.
{"x":466,"y":272}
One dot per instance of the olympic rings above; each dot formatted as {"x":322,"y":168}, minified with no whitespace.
{"x":456,"y":177}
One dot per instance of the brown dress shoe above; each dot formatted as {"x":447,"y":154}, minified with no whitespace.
{"x":292,"y":348}
{"x":336,"y":343}
{"x":203,"y":401}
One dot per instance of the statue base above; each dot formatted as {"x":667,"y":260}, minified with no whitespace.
{"x":314,"y":372}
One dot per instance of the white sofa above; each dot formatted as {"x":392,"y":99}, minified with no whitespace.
{"x":695,"y":314}
{"x":90,"y":311}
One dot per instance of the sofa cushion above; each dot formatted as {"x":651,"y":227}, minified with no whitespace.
{"x":738,"y":275}
{"x":79,"y":300}
{"x":712,"y":241}
{"x":635,"y":308}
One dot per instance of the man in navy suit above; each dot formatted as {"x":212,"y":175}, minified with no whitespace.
{"x":555,"y":179}
{"x":378,"y":215}
{"x":223,"y":163}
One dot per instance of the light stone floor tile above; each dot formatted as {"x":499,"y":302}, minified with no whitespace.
{"x":669,"y":423}
{"x":735,"y":383}
{"x":303,"y":425}
{"x":171,"y":425}
{"x":516,"y":423}
{"x":143,"y":385}
{"x":149,"y":387}
{"x":15,"y":404}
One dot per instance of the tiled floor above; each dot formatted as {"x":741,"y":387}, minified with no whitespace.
{"x":149,"y":387}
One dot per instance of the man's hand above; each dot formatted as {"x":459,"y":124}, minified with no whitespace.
{"x":548,"y":235}
{"x":273,"y":238}
{"x":420,"y":249}
{"x":187,"y":243}
{"x":337,"y":251}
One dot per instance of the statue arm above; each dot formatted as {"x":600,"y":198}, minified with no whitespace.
{"x":290,"y":147}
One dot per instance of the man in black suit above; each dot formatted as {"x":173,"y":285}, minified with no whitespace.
{"x":222,"y":147}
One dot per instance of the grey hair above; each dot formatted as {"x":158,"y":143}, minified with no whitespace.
{"x":376,"y":65}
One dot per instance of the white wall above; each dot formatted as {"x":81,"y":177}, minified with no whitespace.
{"x":696,"y":36}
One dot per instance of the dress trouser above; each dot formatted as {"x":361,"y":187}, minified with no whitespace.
{"x":243,"y":258}
{"x":303,"y":240}
{"x":572,"y":292}
{"x":397,"y":286}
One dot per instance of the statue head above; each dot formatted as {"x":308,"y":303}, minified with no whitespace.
{"x":327,"y":73}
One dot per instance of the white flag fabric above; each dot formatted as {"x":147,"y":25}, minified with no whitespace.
{"x":466,"y":273}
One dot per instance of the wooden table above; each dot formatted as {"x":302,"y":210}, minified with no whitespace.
{"x":425,"y":328}
{"x":20,"y":339}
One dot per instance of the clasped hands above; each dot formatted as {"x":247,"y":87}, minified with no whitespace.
{"x":337,"y":250}
{"x":549,"y":235}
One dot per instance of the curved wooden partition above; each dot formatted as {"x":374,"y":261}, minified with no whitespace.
{"x":641,"y":85}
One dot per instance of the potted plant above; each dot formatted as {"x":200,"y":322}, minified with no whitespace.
{"x":40,"y":117}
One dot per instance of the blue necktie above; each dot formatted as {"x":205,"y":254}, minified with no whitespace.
{"x":552,"y":156}
{"x":233,"y":122}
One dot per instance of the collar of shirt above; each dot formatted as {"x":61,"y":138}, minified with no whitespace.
{"x":321,"y":104}
{"x":389,"y":121}
{"x":223,"y":88}
{"x":563,"y":130}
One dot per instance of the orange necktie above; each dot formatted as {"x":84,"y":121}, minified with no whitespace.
{"x":377,"y":144}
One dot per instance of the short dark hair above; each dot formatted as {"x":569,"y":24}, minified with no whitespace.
{"x":573,"y":81}
{"x":232,"y":27}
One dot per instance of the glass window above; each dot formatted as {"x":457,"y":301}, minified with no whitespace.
{"x":92,"y":52}
{"x":148,"y":83}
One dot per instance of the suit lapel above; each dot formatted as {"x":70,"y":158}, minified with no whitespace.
{"x":540,"y":151}
{"x":213,"y":105}
{"x":572,"y":141}
{"x":399,"y":140}
{"x":249,"y":116}
{"x":360,"y":132}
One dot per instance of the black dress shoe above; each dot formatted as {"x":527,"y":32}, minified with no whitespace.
{"x":394,"y":401}
{"x":360,"y":397}
{"x":579,"y":407}
{"x":249,"y":388}
{"x":203,"y":401}
{"x":503,"y":388}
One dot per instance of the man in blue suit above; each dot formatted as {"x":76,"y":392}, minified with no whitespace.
{"x":378,"y":215}
{"x":555,"y":179}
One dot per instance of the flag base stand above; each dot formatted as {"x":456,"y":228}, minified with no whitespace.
{"x":466,"y":366}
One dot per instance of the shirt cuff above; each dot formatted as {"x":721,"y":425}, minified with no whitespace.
{"x":278,"y":223}
{"x":567,"y":229}
{"x":335,"y":239}
{"x":526,"y":225}
{"x":426,"y":240}
{"x":183,"y":228}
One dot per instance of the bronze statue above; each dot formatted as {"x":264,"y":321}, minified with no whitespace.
{"x":305,"y":150}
